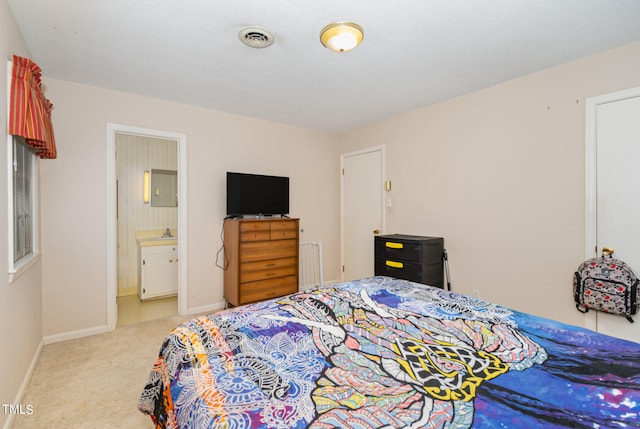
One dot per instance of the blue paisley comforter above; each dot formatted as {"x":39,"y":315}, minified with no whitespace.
{"x":386,"y":353}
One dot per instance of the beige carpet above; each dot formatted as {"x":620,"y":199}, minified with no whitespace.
{"x":95,"y":382}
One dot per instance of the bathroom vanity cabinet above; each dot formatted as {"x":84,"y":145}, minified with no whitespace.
{"x":157,"y":271}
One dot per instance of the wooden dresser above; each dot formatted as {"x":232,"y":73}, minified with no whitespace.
{"x":262,"y":257}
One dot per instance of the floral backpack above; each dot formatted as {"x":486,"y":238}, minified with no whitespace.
{"x":606,"y":284}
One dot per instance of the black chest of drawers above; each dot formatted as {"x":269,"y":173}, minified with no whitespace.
{"x":410,"y":257}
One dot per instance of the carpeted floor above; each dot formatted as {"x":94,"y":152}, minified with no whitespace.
{"x":95,"y":382}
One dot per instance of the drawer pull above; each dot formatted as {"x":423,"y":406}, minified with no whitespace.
{"x":394,"y":264}
{"x":273,"y":264}
{"x":392,"y":245}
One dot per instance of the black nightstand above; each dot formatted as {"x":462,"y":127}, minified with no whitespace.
{"x":410,"y":257}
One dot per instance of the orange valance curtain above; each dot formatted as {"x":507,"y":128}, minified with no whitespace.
{"x":29,"y":110}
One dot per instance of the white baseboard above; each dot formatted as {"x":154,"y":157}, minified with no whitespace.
{"x":25,"y":382}
{"x":72,"y":335}
{"x":205,"y":309}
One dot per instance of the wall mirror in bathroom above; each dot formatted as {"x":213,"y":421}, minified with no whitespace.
{"x":164,"y":188}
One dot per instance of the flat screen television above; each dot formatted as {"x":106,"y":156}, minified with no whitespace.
{"x":257,"y":194}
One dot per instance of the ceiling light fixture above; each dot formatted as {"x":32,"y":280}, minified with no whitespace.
{"x":341,"y":36}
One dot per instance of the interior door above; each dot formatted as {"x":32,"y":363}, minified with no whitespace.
{"x":618,"y":196}
{"x":362,"y":210}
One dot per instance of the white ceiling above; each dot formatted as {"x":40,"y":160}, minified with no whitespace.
{"x":414,"y":52}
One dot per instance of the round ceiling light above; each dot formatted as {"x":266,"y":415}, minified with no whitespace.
{"x":256,"y":37}
{"x":341,"y":36}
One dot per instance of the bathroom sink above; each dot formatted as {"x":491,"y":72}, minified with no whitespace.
{"x":156,"y":237}
{"x":157,"y":241}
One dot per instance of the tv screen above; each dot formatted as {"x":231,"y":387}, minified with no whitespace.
{"x":256,"y":194}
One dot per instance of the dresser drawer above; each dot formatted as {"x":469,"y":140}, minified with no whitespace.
{"x":284,"y":229}
{"x":408,"y":250}
{"x":398,"y":269}
{"x":264,"y":250}
{"x":255,"y":236}
{"x":282,"y":234}
{"x":425,"y":274}
{"x":267,"y":289}
{"x":272,"y":268}
{"x":255,"y":231}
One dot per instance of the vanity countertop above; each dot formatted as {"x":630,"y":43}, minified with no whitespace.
{"x":153,"y":237}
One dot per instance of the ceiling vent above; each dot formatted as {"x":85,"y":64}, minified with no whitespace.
{"x":256,"y":37}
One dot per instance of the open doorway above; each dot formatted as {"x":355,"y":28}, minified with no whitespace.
{"x":147,"y":230}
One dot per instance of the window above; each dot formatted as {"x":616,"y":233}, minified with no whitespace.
{"x":30,"y":136}
{"x":23,"y":215}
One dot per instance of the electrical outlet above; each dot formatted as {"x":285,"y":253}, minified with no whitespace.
{"x":476,"y":293}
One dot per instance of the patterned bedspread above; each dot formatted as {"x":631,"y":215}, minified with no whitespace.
{"x":386,"y":353}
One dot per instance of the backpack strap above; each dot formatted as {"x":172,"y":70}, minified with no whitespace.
{"x":582,"y":309}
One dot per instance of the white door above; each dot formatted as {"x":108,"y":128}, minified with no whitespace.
{"x":617,"y":165}
{"x":362,"y":210}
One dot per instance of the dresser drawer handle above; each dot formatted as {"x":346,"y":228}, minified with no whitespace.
{"x":273,"y":264}
{"x":392,"y":245}
{"x":270,"y":274}
{"x":394,"y":264}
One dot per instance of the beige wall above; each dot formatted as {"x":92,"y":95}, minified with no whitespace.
{"x":500,"y":174}
{"x":20,"y":301}
{"x":74,"y":197}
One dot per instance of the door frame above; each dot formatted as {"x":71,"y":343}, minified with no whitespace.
{"x":591,"y":184}
{"x":112,"y":225}
{"x":381,"y":149}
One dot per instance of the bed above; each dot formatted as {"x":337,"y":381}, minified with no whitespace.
{"x":388,"y":353}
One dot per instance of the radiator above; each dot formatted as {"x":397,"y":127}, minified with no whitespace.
{"x":310,"y":272}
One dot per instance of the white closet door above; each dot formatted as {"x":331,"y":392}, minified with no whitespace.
{"x":362,"y":211}
{"x":618,"y":196}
